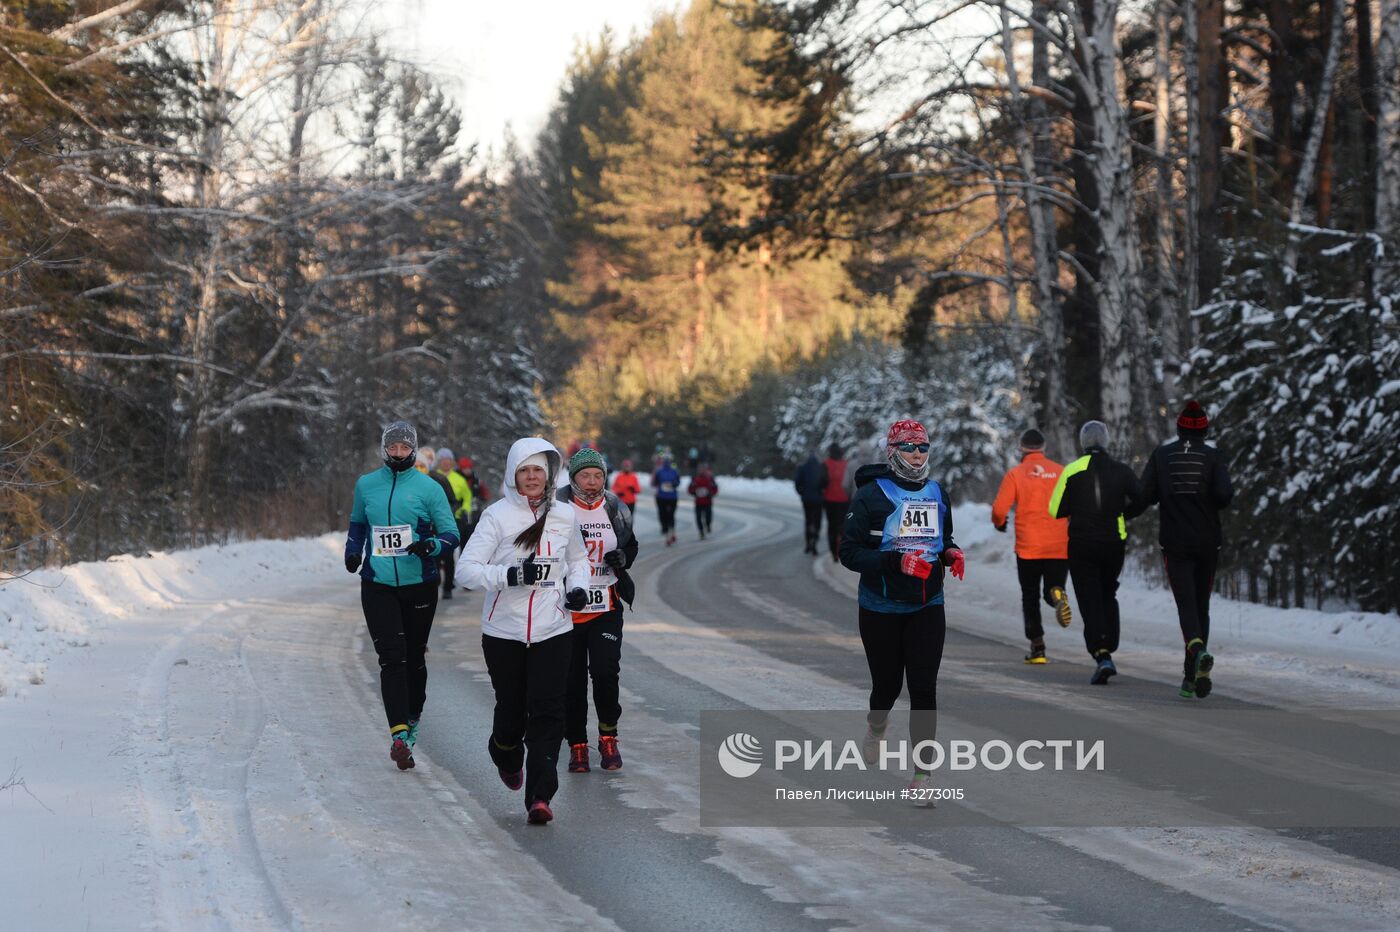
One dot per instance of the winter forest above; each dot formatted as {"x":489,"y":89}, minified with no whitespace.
{"x":237,"y":236}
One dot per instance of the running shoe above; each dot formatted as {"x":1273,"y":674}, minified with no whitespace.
{"x":611,"y":757}
{"x":1188,"y":687}
{"x":1037,"y":655}
{"x":870,"y":745}
{"x":1062,"y":613}
{"x":1204,"y":664}
{"x":578,"y":758}
{"x":1103,"y":671}
{"x":539,"y":813}
{"x":920,"y":792}
{"x":400,"y":753}
{"x":513,"y":779}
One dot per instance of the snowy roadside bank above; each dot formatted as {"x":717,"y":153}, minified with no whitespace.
{"x":51,"y":611}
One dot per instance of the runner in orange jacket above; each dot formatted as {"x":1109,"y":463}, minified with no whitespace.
{"x":1042,"y":543}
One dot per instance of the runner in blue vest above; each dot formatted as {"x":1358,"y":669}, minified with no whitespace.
{"x":899,"y":536}
{"x":666,"y":483}
{"x":393,"y":519}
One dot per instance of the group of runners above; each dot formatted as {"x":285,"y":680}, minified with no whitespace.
{"x":552,"y":556}
{"x":1072,"y":522}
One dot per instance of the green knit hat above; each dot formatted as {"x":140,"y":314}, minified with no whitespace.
{"x":585,"y":458}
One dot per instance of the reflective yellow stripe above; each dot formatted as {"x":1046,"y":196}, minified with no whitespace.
{"x":1077,"y":466}
{"x":1122,"y":528}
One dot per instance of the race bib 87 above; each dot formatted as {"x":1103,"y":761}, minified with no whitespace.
{"x":551,"y":568}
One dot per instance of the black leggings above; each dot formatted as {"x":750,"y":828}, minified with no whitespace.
{"x":1037,"y":578}
{"x":447,"y":567}
{"x":704,"y":516}
{"x":812,"y":522}
{"x":899,"y":647}
{"x":1192,"y":576}
{"x":1094,"y":566}
{"x":399,"y":619}
{"x":598,"y":656}
{"x":835,"y":522}
{"x":528,"y":724}
{"x":666,"y":509}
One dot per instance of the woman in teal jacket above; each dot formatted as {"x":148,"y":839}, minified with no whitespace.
{"x":402,"y":521}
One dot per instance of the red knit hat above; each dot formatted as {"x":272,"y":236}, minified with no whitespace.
{"x":909,"y":431}
{"x":464,"y":463}
{"x":1193,"y":417}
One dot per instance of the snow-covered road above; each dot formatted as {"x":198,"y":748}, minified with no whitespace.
{"x":212,"y":756}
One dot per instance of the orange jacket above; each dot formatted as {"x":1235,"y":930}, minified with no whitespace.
{"x":626,"y":487}
{"x":1027,"y":488}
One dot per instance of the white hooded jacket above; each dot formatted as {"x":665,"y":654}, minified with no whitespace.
{"x":522,"y":613}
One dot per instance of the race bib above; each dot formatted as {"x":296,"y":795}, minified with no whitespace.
{"x":918,"y":519}
{"x":668,"y":487}
{"x":599,"y":599}
{"x":702,"y":493}
{"x":551,"y":569}
{"x":390,"y":540}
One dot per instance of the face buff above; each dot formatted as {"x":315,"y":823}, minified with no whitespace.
{"x":905,"y":432}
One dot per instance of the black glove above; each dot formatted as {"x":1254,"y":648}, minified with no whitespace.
{"x":616,"y":559}
{"x":575,"y":600}
{"x":1002,"y":527}
{"x":421,"y":548}
{"x":352,"y":562}
{"x":526,"y":574}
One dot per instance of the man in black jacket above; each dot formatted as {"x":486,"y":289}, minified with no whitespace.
{"x":1098,"y":495}
{"x":1191,"y":483}
{"x":809,"y":481}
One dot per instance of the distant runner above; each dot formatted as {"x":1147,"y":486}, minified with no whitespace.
{"x":1042,"y":543}
{"x":1191,"y":482}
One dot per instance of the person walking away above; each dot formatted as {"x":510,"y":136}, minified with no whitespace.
{"x":606,"y":525}
{"x":1042,"y":543}
{"x":481,"y":495}
{"x":626,"y":486}
{"x":704,"y":488}
{"x":460,"y":497}
{"x":530,"y":560}
{"x":1098,"y":495}
{"x":808,"y":482}
{"x":835,"y":499}
{"x":899,"y":537}
{"x":1189,"y":481}
{"x":666,"y":483}
{"x":400,"y":522}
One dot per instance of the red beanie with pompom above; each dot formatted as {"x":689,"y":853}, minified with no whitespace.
{"x":1193,"y":417}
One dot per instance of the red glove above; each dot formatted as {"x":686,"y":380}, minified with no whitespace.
{"x":953,"y":559}
{"x":914,"y":565}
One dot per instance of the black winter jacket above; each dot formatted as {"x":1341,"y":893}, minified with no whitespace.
{"x":1099,"y":495}
{"x":1192,"y":484}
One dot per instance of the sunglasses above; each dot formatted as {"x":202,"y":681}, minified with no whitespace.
{"x":912,"y":447}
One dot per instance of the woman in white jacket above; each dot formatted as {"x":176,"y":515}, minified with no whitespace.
{"x":530,"y":560}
